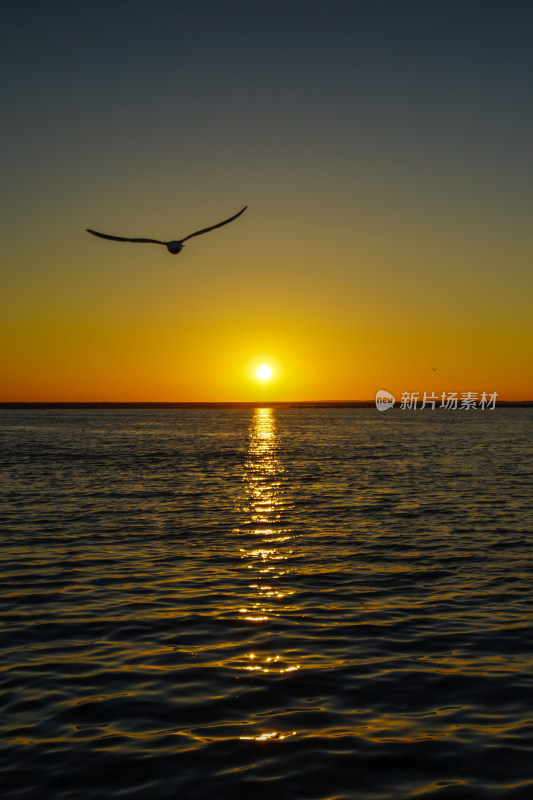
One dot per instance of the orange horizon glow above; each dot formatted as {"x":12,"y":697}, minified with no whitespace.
{"x":127,"y":328}
{"x":320,"y":367}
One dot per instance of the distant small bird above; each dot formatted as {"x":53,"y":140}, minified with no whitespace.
{"x":434,"y":369}
{"x":176,"y":245}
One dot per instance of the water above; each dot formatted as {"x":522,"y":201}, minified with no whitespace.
{"x":292,"y":604}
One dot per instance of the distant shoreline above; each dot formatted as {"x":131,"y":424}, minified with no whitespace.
{"x":248,"y":404}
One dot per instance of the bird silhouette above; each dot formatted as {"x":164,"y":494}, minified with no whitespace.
{"x":175,"y":245}
{"x":434,"y":369}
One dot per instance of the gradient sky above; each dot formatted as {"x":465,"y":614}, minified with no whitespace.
{"x":384,"y":150}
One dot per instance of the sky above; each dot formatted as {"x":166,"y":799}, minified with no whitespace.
{"x":383,"y":149}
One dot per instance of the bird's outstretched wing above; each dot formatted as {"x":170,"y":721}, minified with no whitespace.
{"x":218,"y":225}
{"x":122,"y":238}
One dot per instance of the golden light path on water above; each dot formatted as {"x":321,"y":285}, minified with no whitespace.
{"x":265,"y":504}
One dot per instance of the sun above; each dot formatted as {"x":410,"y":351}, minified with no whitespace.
{"x":263,"y":372}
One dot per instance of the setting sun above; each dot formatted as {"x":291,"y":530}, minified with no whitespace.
{"x":263,"y":372}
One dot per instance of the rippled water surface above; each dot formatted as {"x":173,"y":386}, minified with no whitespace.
{"x":293,"y":604}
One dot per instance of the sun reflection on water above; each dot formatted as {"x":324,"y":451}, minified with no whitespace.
{"x":263,"y":471}
{"x":265,"y":504}
{"x":264,"y":737}
{"x":268,"y":550}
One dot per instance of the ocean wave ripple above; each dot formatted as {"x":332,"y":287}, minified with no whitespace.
{"x":324,"y":604}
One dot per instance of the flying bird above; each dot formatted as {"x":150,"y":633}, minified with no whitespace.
{"x":174,"y":246}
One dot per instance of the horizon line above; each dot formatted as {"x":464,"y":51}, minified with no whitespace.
{"x":212,"y":403}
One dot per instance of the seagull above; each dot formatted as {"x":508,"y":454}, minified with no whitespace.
{"x":434,"y":369}
{"x":174,"y":246}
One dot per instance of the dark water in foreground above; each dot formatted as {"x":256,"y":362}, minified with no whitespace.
{"x":311,"y":604}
